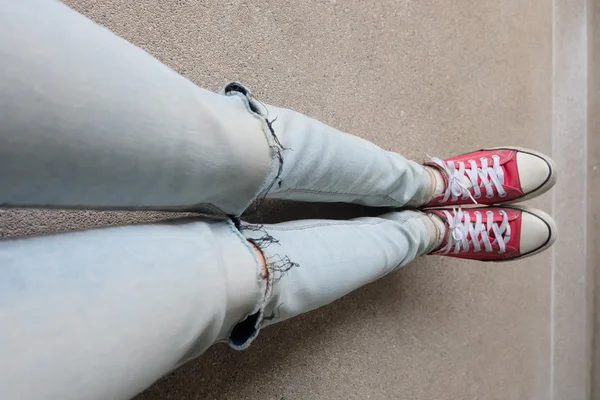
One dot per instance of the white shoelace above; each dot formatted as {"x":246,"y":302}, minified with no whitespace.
{"x":490,"y":176}
{"x":465,"y":234}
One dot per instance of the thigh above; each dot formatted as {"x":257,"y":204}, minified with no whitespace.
{"x":108,"y":311}
{"x":89,"y":120}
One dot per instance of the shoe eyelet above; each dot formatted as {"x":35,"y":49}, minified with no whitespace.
{"x":503,"y":195}
{"x":488,"y":196}
{"x":477,"y":196}
{"x":495,"y":156}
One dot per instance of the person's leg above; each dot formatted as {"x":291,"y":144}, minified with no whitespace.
{"x":89,"y":120}
{"x":314,"y":262}
{"x":108,"y":311}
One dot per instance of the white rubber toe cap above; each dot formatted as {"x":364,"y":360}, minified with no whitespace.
{"x":537,"y":232}
{"x":534,"y":171}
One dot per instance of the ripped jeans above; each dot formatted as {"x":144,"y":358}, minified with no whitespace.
{"x":87,"y":120}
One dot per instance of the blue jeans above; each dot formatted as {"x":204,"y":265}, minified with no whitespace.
{"x":87,"y":120}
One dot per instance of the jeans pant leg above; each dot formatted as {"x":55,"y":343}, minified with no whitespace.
{"x":321,"y":163}
{"x":314,"y":262}
{"x":108,"y":311}
{"x":88,"y":120}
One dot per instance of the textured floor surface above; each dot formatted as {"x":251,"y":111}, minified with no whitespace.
{"x":437,"y":78}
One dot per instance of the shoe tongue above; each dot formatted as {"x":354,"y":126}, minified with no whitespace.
{"x":466,"y":181}
{"x":442,"y":181}
{"x":464,"y":178}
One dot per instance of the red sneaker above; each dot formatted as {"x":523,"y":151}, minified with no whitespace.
{"x":494,"y":233}
{"x":490,"y":176}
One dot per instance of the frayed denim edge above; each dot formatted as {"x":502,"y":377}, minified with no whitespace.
{"x":265,"y":287}
{"x":260,"y":111}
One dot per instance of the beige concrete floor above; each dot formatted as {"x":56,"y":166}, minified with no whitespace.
{"x":432,"y":77}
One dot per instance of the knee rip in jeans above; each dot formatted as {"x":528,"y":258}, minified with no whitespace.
{"x":274,"y":267}
{"x":259,"y":110}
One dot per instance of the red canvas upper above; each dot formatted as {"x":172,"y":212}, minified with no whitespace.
{"x":508,"y":162}
{"x":512,"y":249}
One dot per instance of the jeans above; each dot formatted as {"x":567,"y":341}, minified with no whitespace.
{"x":87,"y":120}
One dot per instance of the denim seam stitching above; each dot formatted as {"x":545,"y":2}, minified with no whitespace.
{"x":324,"y":225}
{"x":193,"y":208}
{"x":313,"y":191}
